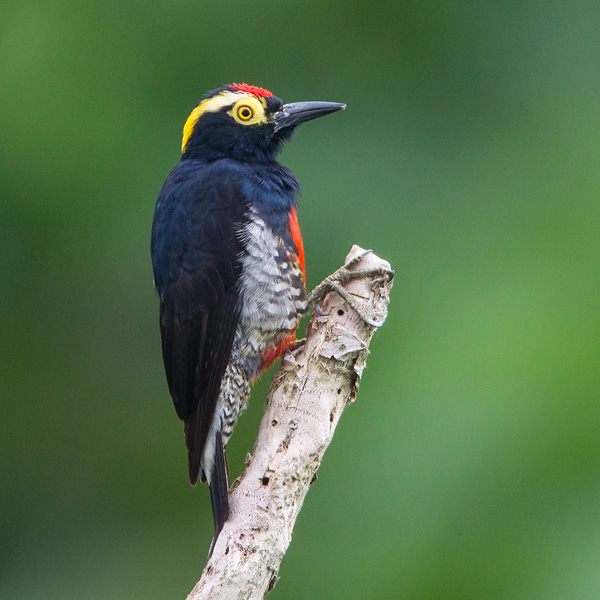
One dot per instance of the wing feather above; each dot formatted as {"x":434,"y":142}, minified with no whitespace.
{"x":196,"y":250}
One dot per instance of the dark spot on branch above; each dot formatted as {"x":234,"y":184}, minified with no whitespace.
{"x":314,"y":478}
{"x":340,"y":312}
{"x":331,"y":417}
{"x":265,"y":481}
{"x":227,"y":550}
{"x":339,"y":391}
{"x":273,"y":422}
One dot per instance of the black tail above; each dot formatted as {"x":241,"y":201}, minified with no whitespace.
{"x":219,"y":489}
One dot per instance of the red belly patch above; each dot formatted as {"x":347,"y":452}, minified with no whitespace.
{"x":270,"y":356}
{"x":297,"y":239}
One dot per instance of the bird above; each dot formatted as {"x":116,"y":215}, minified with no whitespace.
{"x":228,"y":264}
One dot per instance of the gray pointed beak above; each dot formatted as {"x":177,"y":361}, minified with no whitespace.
{"x":299,"y":112}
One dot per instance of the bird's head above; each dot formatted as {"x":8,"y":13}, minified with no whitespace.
{"x":246,"y":123}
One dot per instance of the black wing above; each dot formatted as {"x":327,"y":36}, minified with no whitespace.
{"x":196,"y":252}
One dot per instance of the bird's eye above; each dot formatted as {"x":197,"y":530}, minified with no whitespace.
{"x":245,"y":112}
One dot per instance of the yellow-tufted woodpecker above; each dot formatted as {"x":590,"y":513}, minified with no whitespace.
{"x":228,"y":266}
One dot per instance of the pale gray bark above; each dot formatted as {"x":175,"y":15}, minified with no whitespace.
{"x":303,"y":406}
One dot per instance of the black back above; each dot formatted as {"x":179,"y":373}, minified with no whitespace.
{"x":196,"y":258}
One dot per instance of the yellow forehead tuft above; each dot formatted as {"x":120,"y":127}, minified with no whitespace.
{"x":214,"y":104}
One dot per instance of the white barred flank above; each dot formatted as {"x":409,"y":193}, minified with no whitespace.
{"x":272,"y":288}
{"x":235,"y":391}
{"x":272,"y":301}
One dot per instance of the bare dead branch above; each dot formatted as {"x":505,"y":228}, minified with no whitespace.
{"x":306,"y":399}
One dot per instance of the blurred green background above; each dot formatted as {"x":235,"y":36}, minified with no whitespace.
{"x":469,"y":467}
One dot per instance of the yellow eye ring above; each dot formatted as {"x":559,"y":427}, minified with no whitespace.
{"x":245,"y":112}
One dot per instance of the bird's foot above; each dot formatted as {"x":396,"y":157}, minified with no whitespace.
{"x":296,"y":345}
{"x":343,"y":275}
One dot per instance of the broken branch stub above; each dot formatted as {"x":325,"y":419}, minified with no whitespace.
{"x":306,"y":399}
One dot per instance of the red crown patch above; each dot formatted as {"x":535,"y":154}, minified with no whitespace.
{"x":251,"y":89}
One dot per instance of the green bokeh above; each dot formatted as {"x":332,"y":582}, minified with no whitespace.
{"x":469,"y":467}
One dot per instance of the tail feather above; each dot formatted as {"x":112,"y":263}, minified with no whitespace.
{"x":219,"y":489}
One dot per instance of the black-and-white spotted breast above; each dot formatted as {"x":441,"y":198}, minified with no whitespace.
{"x":272,"y":292}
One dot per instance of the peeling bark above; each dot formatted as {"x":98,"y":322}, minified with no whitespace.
{"x":304,"y":404}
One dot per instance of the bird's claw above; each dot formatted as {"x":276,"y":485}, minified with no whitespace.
{"x":320,"y":312}
{"x":296,"y":344}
